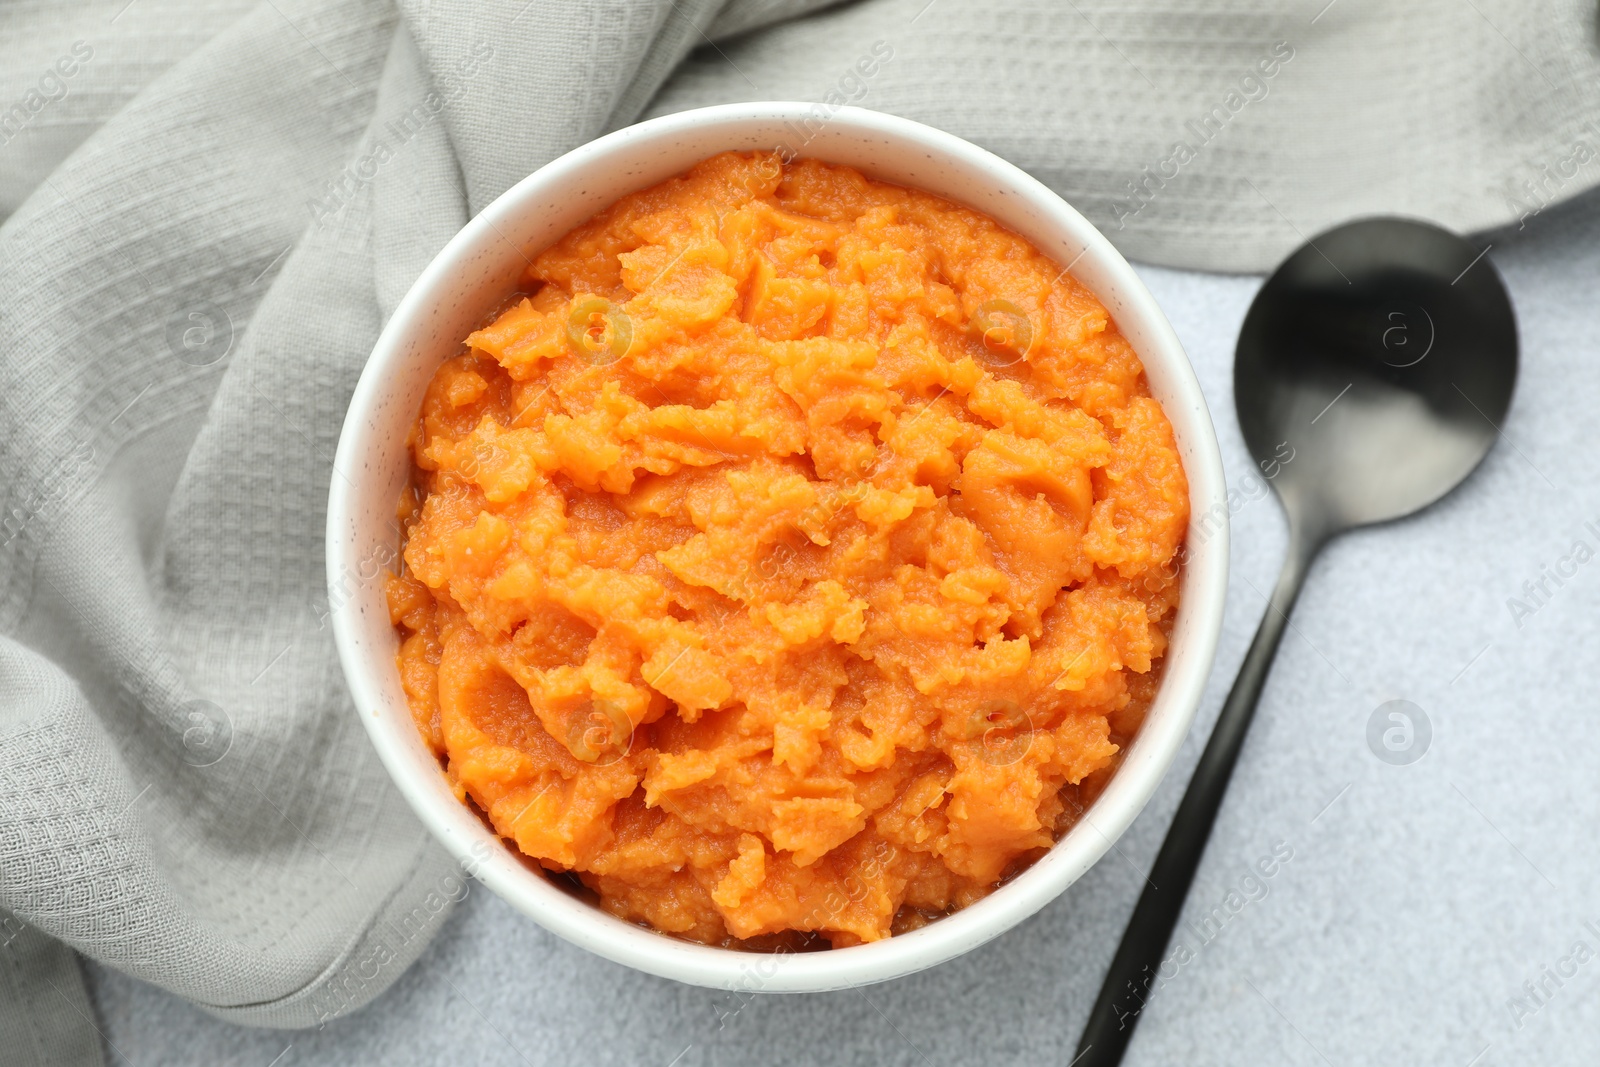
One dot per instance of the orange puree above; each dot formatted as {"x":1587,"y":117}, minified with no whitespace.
{"x":791,"y":561}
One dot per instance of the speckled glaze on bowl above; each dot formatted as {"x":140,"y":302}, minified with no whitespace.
{"x":483,"y":263}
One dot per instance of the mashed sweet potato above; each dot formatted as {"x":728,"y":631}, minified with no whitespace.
{"x":790,"y":561}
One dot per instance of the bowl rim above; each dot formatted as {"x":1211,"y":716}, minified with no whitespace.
{"x":495,"y":863}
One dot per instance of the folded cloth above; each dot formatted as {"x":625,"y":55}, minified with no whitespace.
{"x":213,"y":208}
{"x":1211,"y":135}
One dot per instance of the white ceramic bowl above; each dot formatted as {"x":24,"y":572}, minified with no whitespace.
{"x":483,"y":263}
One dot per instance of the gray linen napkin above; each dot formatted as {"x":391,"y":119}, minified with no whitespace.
{"x":212,"y":209}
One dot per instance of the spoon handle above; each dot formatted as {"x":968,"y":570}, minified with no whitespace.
{"x":1139,"y":957}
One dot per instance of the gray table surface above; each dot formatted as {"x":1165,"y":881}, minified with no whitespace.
{"x":1419,"y":898}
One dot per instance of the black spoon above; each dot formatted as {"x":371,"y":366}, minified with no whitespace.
{"x":1373,"y":371}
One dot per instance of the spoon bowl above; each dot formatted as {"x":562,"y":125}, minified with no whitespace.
{"x":1381,"y":356}
{"x":1373,"y":371}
